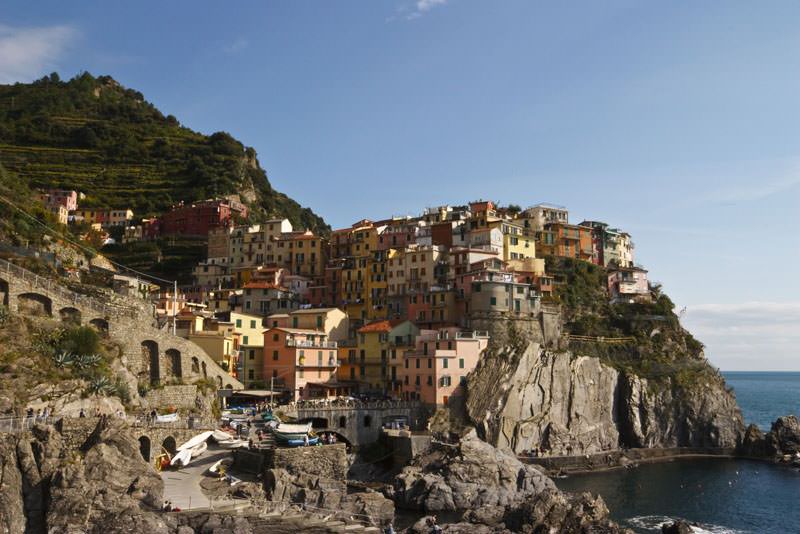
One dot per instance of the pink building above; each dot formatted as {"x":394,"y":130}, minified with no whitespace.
{"x":296,"y":358}
{"x":628,"y":285}
{"x":438,"y":366}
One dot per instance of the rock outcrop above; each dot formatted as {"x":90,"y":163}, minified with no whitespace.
{"x":566,"y":404}
{"x":781,"y":443}
{"x":495,"y":491}
{"x":105,"y":486}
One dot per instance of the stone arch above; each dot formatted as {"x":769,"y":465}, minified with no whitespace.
{"x":205,"y":371}
{"x":144,"y":447}
{"x":340,"y":437}
{"x":169,"y":445}
{"x":316,"y":422}
{"x":174,"y":360}
{"x":35,"y":304}
{"x":150,"y":360}
{"x":99,"y":324}
{"x":195,"y":365}
{"x":70,"y":315}
{"x":3,"y":292}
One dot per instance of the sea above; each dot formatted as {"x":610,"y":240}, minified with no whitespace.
{"x":722,"y":496}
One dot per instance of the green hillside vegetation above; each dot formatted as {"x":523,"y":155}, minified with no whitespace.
{"x":659,"y":347}
{"x":95,"y":136}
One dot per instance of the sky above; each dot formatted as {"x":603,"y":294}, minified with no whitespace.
{"x":676,"y":121}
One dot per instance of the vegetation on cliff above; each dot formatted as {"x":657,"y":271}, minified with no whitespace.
{"x":655,"y":345}
{"x":93,"y":135}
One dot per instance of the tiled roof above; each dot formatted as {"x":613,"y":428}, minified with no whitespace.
{"x":380,"y":326}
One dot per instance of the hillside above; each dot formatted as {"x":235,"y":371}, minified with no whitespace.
{"x":95,"y":136}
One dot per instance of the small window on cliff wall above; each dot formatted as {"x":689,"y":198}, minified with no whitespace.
{"x":342,"y":421}
{"x":367,"y":421}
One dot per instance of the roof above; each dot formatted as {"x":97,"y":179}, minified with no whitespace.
{"x":278,"y":315}
{"x":262,"y":284}
{"x":380,"y":326}
{"x":313,"y":310}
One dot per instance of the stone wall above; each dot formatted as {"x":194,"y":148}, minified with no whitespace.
{"x":327,"y":461}
{"x":405,"y":445}
{"x":177,"y":396}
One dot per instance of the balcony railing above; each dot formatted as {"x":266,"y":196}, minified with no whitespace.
{"x":308,"y":344}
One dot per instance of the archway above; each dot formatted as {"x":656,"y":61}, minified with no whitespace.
{"x":70,"y":316}
{"x":340,"y":438}
{"x":150,"y":360}
{"x":169,"y":445}
{"x":144,"y":448}
{"x":3,"y":292}
{"x":316,"y":422}
{"x":101,"y":325}
{"x":174,"y":359}
{"x":35,"y":304}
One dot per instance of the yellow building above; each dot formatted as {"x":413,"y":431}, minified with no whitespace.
{"x":249,"y":339}
{"x":333,"y":321}
{"x":517,"y":244}
{"x":219,"y":345}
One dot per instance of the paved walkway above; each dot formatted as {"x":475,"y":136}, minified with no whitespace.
{"x":182,"y":487}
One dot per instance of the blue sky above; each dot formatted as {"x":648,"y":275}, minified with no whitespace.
{"x":678,"y":121}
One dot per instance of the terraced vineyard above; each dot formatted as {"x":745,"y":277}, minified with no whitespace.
{"x":95,"y":136}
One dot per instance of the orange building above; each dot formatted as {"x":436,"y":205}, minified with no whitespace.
{"x":566,"y":240}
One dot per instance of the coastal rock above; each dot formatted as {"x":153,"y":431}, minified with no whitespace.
{"x":784,"y":436}
{"x":753,"y":442}
{"x":467,"y":476}
{"x":497,"y":492}
{"x":564,"y":404}
{"x":677,"y":527}
{"x":327,"y":496}
{"x":12,"y":507}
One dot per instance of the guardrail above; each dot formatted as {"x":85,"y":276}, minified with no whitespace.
{"x":14,"y":425}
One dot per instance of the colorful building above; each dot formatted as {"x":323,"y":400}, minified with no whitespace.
{"x":198,"y":218}
{"x":296,"y":359}
{"x":628,"y":285}
{"x":436,"y":369}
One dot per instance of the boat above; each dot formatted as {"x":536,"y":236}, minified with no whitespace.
{"x":200,"y":449}
{"x":287,"y":432}
{"x":300,"y":442}
{"x":220,"y":435}
{"x":196,"y":440}
{"x":182,"y":458}
{"x":214,"y":469}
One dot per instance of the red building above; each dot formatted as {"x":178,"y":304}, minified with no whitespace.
{"x":198,"y":218}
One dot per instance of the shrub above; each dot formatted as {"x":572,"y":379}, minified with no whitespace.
{"x":82,"y":340}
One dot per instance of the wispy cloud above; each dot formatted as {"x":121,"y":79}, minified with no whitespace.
{"x":415,"y":10}
{"x":236,"y":46}
{"x":748,"y":335}
{"x":28,"y":53}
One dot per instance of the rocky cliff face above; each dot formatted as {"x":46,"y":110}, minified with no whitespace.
{"x":104,"y":487}
{"x":567,"y":404}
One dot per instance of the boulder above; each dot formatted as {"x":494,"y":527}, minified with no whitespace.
{"x":677,"y":527}
{"x":784,"y":436}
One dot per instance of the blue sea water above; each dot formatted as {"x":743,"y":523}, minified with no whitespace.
{"x":722,"y":495}
{"x":765,"y":396}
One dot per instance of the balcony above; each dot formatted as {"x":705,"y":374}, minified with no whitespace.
{"x":308,"y":344}
{"x":326,"y":362}
{"x":472,"y":335}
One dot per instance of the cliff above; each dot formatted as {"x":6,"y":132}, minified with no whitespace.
{"x":621,"y":375}
{"x":566,"y":404}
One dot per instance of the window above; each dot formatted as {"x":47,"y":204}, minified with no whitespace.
{"x":294,"y":322}
{"x":250,"y":374}
{"x":493,"y":301}
{"x":275,"y":355}
{"x":239,"y":322}
{"x":417,"y":360}
{"x":461,"y":363}
{"x":430,"y":363}
{"x":275,"y":337}
{"x":252,"y":355}
{"x":319,"y":321}
{"x":362,"y":371}
{"x":353,"y":373}
{"x":406,"y":380}
{"x":244,"y":340}
{"x":444,"y":363}
{"x":430,"y":380}
{"x":252,"y":323}
{"x":301,"y":373}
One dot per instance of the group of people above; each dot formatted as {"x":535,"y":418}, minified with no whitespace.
{"x":328,"y":438}
{"x":169,"y":507}
{"x":99,"y":413}
{"x":39,"y":415}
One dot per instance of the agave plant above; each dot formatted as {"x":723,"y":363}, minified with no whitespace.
{"x":86,"y":361}
{"x":101,"y":385}
{"x":63,"y":359}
